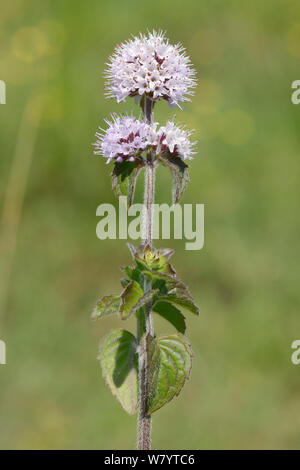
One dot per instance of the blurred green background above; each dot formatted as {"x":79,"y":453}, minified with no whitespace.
{"x":244,"y":391}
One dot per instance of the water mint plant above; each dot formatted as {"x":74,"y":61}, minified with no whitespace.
{"x":143,"y":371}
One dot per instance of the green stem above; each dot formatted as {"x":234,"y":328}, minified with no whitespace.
{"x":145,"y":327}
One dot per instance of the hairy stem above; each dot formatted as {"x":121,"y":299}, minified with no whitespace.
{"x":145,"y":321}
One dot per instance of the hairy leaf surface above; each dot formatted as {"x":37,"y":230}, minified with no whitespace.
{"x":180,"y":175}
{"x":124,"y":176}
{"x":171,"y":314}
{"x":170,"y":366}
{"x":182,"y":300}
{"x":171,"y":281}
{"x":106,"y":306}
{"x":119,"y":363}
{"x":129,"y":298}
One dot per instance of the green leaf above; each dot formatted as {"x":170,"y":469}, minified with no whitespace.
{"x":106,"y":306}
{"x":133,"y":273}
{"x":129,"y":298}
{"x":160,"y":285}
{"x":171,"y":281}
{"x":119,"y":363}
{"x":172,"y":284}
{"x":131,"y":185}
{"x":180,"y":175}
{"x":132,"y":249}
{"x":171,"y":314}
{"x":182,"y":300}
{"x":168,"y":269}
{"x":124,"y":282}
{"x":147,"y":297}
{"x":170,"y":366}
{"x":124,"y":176}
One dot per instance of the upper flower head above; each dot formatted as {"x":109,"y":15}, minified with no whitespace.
{"x":125,"y":139}
{"x":174,"y":140}
{"x":150,"y":65}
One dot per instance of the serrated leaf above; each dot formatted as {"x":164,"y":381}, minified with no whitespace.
{"x":182,"y":300}
{"x":119,"y":363}
{"x":171,"y":281}
{"x":154,"y":363}
{"x":169,"y":370}
{"x":165,"y":252}
{"x":160,"y":285}
{"x":180,"y":175}
{"x":129,"y":298}
{"x":124,"y":176}
{"x":147,"y":297}
{"x":171,"y":314}
{"x":132,"y":249}
{"x":131,"y":185}
{"x":124,"y":282}
{"x":173,"y":285}
{"x":106,"y":306}
{"x":141,"y":265}
{"x":168,"y":269}
{"x":133,"y":273}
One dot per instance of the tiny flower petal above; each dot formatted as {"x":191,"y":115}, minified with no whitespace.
{"x":150,"y":65}
{"x":175,"y":140}
{"x":125,"y":139}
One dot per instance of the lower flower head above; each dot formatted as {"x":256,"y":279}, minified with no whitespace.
{"x":125,"y":139}
{"x":175,"y":141}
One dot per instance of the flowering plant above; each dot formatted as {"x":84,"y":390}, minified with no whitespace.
{"x":150,"y":65}
{"x":145,"y":372}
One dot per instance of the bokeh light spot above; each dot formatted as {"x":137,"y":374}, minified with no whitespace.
{"x":208,"y":127}
{"x":236,"y":127}
{"x":209,"y":96}
{"x":206,"y":46}
{"x":55,"y":34}
{"x":293,"y":40}
{"x":29,"y":44}
{"x":46,"y":108}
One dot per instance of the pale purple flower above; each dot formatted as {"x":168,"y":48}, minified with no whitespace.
{"x":150,"y":65}
{"x":174,"y":140}
{"x":125,"y":139}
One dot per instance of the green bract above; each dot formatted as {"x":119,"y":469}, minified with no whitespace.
{"x":125,"y":174}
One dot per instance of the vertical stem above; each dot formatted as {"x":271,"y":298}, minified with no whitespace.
{"x":149,"y":199}
{"x":145,"y":325}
